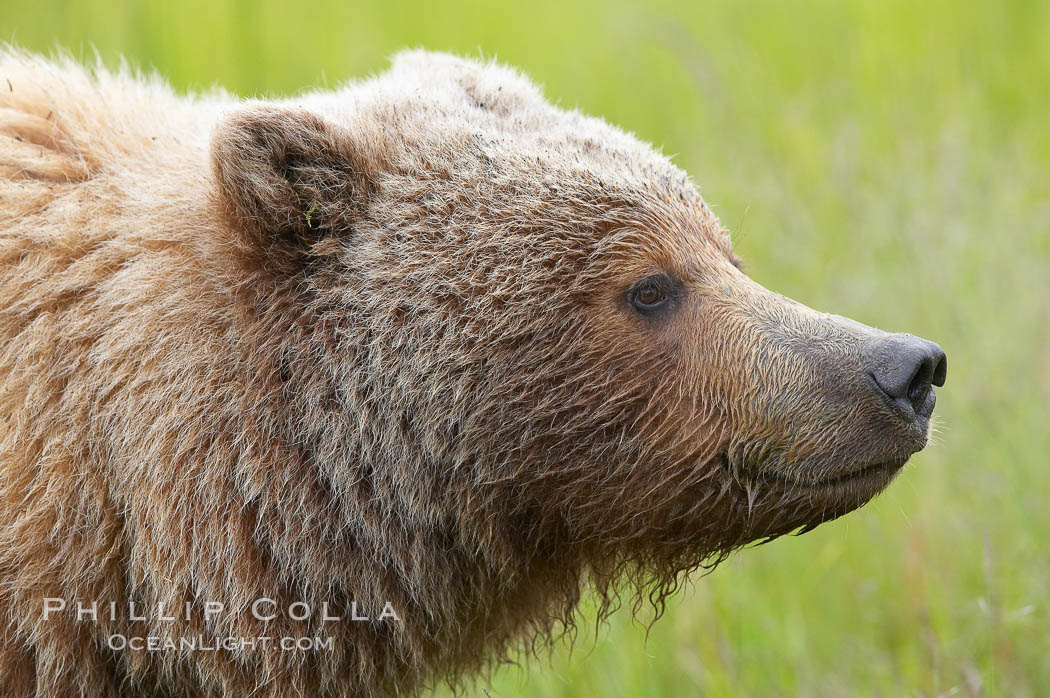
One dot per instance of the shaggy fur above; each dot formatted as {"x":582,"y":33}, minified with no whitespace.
{"x":373,"y":345}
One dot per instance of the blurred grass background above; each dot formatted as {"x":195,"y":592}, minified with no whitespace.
{"x":882,"y":159}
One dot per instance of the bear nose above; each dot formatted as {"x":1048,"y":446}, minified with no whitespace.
{"x":906,"y":368}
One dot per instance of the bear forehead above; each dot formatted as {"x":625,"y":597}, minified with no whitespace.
{"x":459,"y":125}
{"x":434,"y":106}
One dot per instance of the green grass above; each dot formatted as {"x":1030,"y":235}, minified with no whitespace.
{"x":886,"y":160}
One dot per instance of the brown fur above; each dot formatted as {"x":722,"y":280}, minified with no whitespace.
{"x":372,"y":344}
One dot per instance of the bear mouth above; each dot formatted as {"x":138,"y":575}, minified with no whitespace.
{"x":868,"y":476}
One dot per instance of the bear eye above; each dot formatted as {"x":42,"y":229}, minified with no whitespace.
{"x":650,"y":295}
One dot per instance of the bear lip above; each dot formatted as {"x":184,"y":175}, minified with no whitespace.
{"x":878,"y":473}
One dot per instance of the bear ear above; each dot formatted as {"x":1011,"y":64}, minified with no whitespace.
{"x":287,"y":176}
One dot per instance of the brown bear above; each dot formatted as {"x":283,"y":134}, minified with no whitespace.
{"x":353,"y":393}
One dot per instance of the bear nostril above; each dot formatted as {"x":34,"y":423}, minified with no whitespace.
{"x":906,"y":368}
{"x":920,"y":385}
{"x":940,"y":371}
{"x":931,"y":372}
